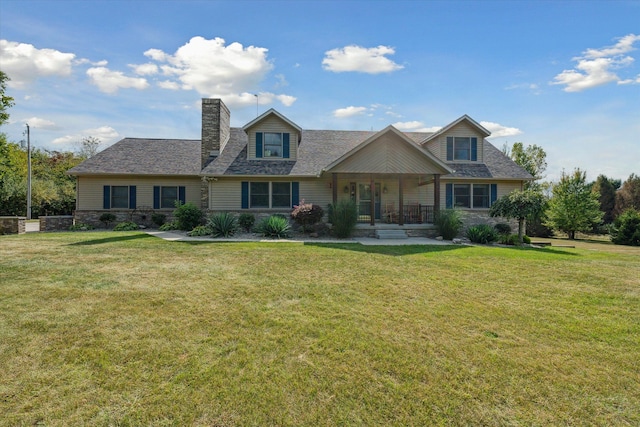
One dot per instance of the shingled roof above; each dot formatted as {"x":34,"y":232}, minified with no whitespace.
{"x":139,"y":156}
{"x":317,"y":150}
{"x":496,"y":165}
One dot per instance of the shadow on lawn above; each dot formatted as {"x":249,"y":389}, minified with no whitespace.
{"x":388,"y":250}
{"x":111,"y":240}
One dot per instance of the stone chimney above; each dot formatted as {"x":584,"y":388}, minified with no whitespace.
{"x":216,"y":122}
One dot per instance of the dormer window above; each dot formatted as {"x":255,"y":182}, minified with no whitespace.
{"x":272,"y":144}
{"x":462,"y":148}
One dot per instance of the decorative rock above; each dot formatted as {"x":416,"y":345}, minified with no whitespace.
{"x":457,"y":241}
{"x":439,"y":238}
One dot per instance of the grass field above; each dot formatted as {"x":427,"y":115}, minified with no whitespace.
{"x":119,"y":329}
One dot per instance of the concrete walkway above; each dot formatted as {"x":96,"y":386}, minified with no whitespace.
{"x":367,"y":241}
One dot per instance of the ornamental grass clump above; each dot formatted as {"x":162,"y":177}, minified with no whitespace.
{"x":275,"y":226}
{"x":306,"y":215}
{"x":482,"y":234}
{"x":222,"y":224}
{"x":448,"y":223}
{"x":343,"y":217}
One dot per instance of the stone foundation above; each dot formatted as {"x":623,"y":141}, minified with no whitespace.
{"x":12,"y":224}
{"x":476,"y":217}
{"x":139,"y":216}
{"x":56,"y":222}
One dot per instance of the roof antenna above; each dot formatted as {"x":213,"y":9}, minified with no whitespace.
{"x":256,"y":95}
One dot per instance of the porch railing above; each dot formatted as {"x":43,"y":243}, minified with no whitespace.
{"x":412,"y":214}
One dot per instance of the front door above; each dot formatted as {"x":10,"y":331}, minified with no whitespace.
{"x":364,"y":201}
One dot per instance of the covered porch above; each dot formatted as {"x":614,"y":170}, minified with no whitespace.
{"x":390,"y":198}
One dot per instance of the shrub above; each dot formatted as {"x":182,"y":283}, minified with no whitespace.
{"x":482,"y":233}
{"x":448,"y":223}
{"x":626,"y":228}
{"x":274,"y":226}
{"x":343,"y":217}
{"x":306,"y":215}
{"x":200,"y":230}
{"x":168,"y":226}
{"x":80,"y":227}
{"x":512,"y":239}
{"x":107,"y":218}
{"x":126,"y":226}
{"x":246,"y":221}
{"x":188,"y":216}
{"x":222,"y":224}
{"x":502,"y":228}
{"x":158,"y":218}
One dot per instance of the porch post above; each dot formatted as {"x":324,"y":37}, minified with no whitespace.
{"x":334,"y":187}
{"x":372,"y":215}
{"x":436,"y":193}
{"x":400,"y":200}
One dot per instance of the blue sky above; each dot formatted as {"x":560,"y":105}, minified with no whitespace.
{"x":561,"y":75}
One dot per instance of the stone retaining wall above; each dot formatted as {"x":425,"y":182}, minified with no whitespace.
{"x":12,"y":224}
{"x":56,"y":222}
{"x":140,"y":217}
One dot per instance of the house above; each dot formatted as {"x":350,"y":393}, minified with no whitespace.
{"x":272,"y":163}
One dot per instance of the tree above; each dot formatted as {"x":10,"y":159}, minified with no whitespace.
{"x":532,"y":158}
{"x":5,"y":101}
{"x":628,"y":197}
{"x":573,"y":206}
{"x":89,"y":146}
{"x":520,"y":205}
{"x":605,"y":189}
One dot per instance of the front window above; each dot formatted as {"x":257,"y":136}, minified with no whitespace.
{"x":272,"y":144}
{"x":259,"y":194}
{"x":461,"y":148}
{"x":267,"y":195}
{"x":168,"y":197}
{"x":120,"y":197}
{"x":462,"y":195}
{"x":481,"y":196}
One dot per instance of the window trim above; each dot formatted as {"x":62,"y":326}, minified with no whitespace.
{"x":157,"y":195}
{"x":108,"y":197}
{"x":264,"y":145}
{"x":162,"y":199}
{"x":450,"y":193}
{"x":451,"y":151}
{"x":245,"y":196}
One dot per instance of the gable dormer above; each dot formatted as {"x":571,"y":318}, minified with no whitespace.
{"x":272,"y":137}
{"x":462,"y":141}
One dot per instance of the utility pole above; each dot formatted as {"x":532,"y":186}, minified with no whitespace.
{"x":28,"y":173}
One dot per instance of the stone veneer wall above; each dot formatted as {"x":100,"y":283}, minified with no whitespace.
{"x":92,"y":217}
{"x":216,"y":129}
{"x":476,"y":217}
{"x":12,"y":224}
{"x":56,"y":222}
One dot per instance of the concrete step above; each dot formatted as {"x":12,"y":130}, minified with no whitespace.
{"x":391,"y":234}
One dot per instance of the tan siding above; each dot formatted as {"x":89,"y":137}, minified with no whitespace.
{"x":226,"y":194}
{"x":273,"y":124}
{"x":90,"y":189}
{"x":504,"y":187}
{"x":388,"y":154}
{"x":438,"y":146}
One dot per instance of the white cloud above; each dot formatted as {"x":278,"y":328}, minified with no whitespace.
{"x":109,"y":81}
{"x":103,"y":133}
{"x":214,"y":69}
{"x":38,"y":123}
{"x":360,"y":59}
{"x":415,"y":126}
{"x":147,"y":69}
{"x":168,"y":84}
{"x":498,"y":130}
{"x":24,"y":63}
{"x":349,"y":111}
{"x":594,"y":67}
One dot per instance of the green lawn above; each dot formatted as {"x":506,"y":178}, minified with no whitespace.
{"x":106,"y":328}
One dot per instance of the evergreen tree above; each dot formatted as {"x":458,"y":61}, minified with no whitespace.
{"x":606,"y":191}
